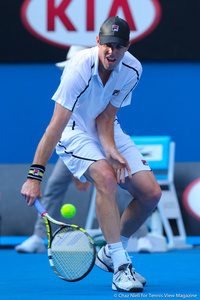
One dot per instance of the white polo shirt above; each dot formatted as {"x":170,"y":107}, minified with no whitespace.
{"x":81,"y":89}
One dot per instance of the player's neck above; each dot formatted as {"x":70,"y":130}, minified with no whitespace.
{"x":104,"y":75}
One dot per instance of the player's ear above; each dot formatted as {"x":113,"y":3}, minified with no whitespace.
{"x":98,"y":40}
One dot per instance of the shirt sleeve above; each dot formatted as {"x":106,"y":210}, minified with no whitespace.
{"x":70,"y":88}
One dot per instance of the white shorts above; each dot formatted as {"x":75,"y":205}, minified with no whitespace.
{"x":79,"y":150}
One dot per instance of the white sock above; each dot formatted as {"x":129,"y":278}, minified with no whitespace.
{"x":119,"y":255}
{"x":107,"y":250}
{"x":124,"y":244}
{"x":124,"y":241}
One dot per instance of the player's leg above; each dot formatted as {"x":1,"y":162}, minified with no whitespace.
{"x":137,"y":164}
{"x":103,"y":177}
{"x":146,"y":192}
{"x":144,"y":244}
{"x":142,"y":186}
{"x":85,"y":159}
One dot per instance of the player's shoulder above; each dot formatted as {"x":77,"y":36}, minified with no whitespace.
{"x":85,"y":58}
{"x":132,"y":63}
{"x":81,"y":64}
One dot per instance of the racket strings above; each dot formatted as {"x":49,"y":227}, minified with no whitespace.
{"x":72,"y":253}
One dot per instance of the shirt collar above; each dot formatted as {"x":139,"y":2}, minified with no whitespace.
{"x":96,"y":62}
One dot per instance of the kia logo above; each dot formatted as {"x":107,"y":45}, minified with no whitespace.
{"x":76,"y":22}
{"x":191,"y":199}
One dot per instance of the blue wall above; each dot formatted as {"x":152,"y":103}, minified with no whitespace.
{"x":166,"y":102}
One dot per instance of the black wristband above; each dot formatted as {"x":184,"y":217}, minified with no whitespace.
{"x":36,"y":172}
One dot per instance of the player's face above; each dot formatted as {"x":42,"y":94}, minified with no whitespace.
{"x":110,"y":54}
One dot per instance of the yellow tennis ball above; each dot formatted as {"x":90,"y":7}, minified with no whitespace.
{"x":68,"y":210}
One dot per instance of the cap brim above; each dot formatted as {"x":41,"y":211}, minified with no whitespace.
{"x":113,"y":39}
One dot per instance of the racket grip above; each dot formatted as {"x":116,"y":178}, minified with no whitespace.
{"x":39,"y":207}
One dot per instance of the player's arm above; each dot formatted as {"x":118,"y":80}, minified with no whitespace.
{"x":31,"y":188}
{"x":105,"y":127}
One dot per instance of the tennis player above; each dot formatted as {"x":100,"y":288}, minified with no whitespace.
{"x":87,"y":136}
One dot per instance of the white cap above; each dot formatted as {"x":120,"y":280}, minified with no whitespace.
{"x":72,"y":51}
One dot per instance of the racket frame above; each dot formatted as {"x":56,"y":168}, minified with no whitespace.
{"x":48,"y":219}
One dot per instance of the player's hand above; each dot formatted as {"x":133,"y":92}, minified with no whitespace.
{"x":81,"y":186}
{"x":31,"y":190}
{"x":119,"y":164}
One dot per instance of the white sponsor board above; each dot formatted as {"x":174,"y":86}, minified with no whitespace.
{"x":77,"y":22}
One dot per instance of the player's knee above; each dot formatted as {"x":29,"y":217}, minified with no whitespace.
{"x":155,"y":197}
{"x":107,"y":184}
{"x":150,"y":200}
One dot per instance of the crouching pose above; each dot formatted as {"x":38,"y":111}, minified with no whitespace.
{"x":87,"y":136}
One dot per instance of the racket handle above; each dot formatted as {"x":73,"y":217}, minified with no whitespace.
{"x":39,"y":207}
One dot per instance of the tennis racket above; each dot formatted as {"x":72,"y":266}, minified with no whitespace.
{"x":71,"y":250}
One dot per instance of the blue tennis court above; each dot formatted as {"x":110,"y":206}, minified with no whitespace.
{"x":170,"y":275}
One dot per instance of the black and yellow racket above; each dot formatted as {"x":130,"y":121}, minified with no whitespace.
{"x":71,"y":250}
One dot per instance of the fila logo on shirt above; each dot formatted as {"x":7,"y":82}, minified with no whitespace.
{"x":116,"y":92}
{"x":61,"y":24}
